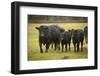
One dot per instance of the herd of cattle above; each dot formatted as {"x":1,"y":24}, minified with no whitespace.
{"x":55,"y":36}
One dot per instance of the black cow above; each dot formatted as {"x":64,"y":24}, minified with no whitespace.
{"x":86,"y":34}
{"x":48,"y":35}
{"x":57,"y":45}
{"x":77,"y":38}
{"x":65,"y":39}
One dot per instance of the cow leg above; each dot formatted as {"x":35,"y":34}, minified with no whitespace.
{"x":74,"y":47}
{"x":77,"y":47}
{"x":40,"y":44}
{"x":66,"y":47}
{"x":47,"y":47}
{"x":59,"y":46}
{"x":69,"y":46}
{"x":52,"y":45}
{"x":55,"y":46}
{"x":81,"y":46}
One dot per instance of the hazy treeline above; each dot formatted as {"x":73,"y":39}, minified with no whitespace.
{"x":56,"y":19}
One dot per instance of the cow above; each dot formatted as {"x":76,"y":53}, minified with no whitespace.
{"x":86,"y":34}
{"x":48,"y":35}
{"x":77,"y":39}
{"x":57,"y":45}
{"x":66,"y":39}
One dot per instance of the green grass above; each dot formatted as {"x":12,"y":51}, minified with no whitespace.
{"x":33,"y":45}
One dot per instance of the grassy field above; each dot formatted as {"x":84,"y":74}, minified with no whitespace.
{"x":34,"y":50}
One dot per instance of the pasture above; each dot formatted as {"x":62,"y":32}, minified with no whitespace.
{"x":34,"y":50}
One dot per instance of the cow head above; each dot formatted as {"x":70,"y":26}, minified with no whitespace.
{"x":42,"y":30}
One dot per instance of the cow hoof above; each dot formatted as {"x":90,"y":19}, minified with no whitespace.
{"x":74,"y":51}
{"x":41,"y":51}
{"x":66,"y":51}
{"x":46,"y":51}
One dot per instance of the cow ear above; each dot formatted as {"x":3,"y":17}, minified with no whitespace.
{"x":37,"y":28}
